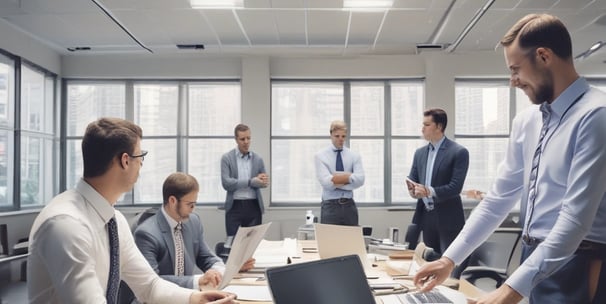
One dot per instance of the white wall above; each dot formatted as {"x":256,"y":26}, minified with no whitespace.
{"x":17,"y":42}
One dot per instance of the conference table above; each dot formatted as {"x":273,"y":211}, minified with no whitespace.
{"x":278,"y":253}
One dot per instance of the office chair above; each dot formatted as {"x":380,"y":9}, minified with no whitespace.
{"x":221,"y":251}
{"x":412,"y":236}
{"x":493,"y":259}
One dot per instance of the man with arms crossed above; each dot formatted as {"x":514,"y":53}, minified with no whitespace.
{"x":339,"y":171}
{"x":80,"y":246}
{"x":242,"y":176}
{"x":556,"y":163}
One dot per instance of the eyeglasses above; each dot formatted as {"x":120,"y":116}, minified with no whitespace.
{"x":189,"y":204}
{"x":142,"y":155}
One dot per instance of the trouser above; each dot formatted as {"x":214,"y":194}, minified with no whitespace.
{"x":439,"y":238}
{"x":341,"y":211}
{"x":581,"y":280}
{"x":245,"y":213}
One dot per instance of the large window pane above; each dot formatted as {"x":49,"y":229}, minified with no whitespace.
{"x":367,"y":109}
{"x":36,"y":170}
{"x":305,"y":108}
{"x":7,"y":91}
{"x":214,"y":109}
{"x":156,"y":108}
{"x":88,"y":101}
{"x":75,"y":168}
{"x":482,"y":110}
{"x":204,"y":163}
{"x":293,"y":173}
{"x":407,"y":105}
{"x":6,"y":168}
{"x":371,"y":152}
{"x":402,"y":154}
{"x":33,"y":104}
{"x":485,"y":154}
{"x":158,"y":164}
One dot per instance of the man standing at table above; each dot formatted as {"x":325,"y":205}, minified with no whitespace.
{"x":80,"y":246}
{"x":242,"y":176}
{"x":438,"y":173}
{"x":556,"y":167}
{"x":339,"y":171}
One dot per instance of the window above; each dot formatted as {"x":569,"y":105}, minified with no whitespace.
{"x":7,"y":102}
{"x":301,"y":115}
{"x":187,"y":126}
{"x":484,"y":110}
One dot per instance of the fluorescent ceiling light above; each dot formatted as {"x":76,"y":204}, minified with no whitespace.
{"x":361,"y":4}
{"x":210,"y":4}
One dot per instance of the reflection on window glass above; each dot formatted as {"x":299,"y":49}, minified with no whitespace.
{"x":32,"y":99}
{"x":371,"y":152}
{"x":36,"y":170}
{"x":6,"y":168}
{"x":214,"y":109}
{"x":305,"y":108}
{"x":485,"y":155}
{"x":159,"y":163}
{"x":156,"y":108}
{"x":367,"y":109}
{"x":407,"y":105}
{"x":75,"y":168}
{"x":293,"y":172}
{"x":482,"y":110}
{"x":88,"y":101}
{"x":402,"y":153}
{"x":7,"y":94}
{"x":204,"y":163}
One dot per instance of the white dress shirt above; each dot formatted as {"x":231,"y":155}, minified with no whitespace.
{"x":570,"y":205}
{"x":69,"y":254}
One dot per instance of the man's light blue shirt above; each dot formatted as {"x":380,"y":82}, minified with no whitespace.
{"x":570,"y":205}
{"x":431,"y":159}
{"x":244,"y":164}
{"x":326,"y":161}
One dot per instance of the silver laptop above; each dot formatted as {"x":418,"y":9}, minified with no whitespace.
{"x":337,"y":240}
{"x":339,"y":280}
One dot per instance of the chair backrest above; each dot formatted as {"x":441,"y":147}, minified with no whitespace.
{"x":499,"y":250}
{"x":412,"y":236}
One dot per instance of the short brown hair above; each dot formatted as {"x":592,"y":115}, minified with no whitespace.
{"x":438,"y":116}
{"x":338,"y":125}
{"x":178,"y":185}
{"x":105,"y":139}
{"x":540,"y":30}
{"x":240,"y":128}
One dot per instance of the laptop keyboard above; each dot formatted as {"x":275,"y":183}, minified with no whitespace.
{"x":433,"y":296}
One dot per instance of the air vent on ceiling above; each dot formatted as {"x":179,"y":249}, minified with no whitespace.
{"x":190,"y":46}
{"x":422,"y":47}
{"x":79,"y":48}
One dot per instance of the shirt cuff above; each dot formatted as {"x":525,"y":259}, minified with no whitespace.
{"x":432,"y":192}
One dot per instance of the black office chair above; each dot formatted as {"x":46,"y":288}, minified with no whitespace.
{"x":221,"y":251}
{"x":412,"y":236}
{"x":494,"y":260}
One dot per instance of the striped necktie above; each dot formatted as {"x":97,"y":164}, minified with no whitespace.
{"x":179,"y":259}
{"x":532,"y":188}
{"x":113,"y":282}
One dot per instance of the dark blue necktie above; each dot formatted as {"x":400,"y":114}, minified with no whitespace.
{"x":113,"y":282}
{"x":339,"y":165}
{"x":532,"y":189}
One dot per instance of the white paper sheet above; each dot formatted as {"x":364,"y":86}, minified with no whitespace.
{"x":259,"y":293}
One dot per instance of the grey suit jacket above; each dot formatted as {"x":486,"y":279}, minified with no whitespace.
{"x":447,"y":179}
{"x":154,"y":238}
{"x":229,"y":177}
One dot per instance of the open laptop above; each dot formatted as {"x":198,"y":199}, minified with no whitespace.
{"x":339,"y":280}
{"x":337,"y":240}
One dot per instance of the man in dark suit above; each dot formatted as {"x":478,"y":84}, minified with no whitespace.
{"x":436,"y":180}
{"x":242,"y":176}
{"x":158,"y":239}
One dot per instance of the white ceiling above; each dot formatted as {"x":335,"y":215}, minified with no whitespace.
{"x":290,"y":27}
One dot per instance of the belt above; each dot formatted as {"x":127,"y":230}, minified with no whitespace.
{"x":585,"y":247}
{"x":246,"y":200}
{"x":342,"y":200}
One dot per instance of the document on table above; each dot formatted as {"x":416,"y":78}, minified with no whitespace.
{"x":258,"y":293}
{"x":243,"y":247}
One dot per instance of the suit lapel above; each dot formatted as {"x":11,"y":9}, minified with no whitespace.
{"x":439,"y":157}
{"x":167,"y":235}
{"x":423,"y":164}
{"x":187,"y":237}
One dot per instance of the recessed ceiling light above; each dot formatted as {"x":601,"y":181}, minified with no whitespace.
{"x":216,"y":4}
{"x":367,"y":4}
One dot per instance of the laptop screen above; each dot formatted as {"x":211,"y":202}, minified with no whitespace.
{"x":328,"y":281}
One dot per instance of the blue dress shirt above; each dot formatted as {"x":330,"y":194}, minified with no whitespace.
{"x":326,"y":160}
{"x":570,"y":205}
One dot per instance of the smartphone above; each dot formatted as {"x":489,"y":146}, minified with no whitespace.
{"x":410,"y":183}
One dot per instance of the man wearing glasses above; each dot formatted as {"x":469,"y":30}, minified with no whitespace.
{"x":172,"y":240}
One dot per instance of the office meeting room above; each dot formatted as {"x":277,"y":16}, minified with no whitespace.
{"x":302,"y":151}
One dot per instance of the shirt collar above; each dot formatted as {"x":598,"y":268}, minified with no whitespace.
{"x":240,"y":155}
{"x":96,"y":200}
{"x":438,"y":144}
{"x":335,"y":149}
{"x":171,"y":222}
{"x":570,"y":95}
